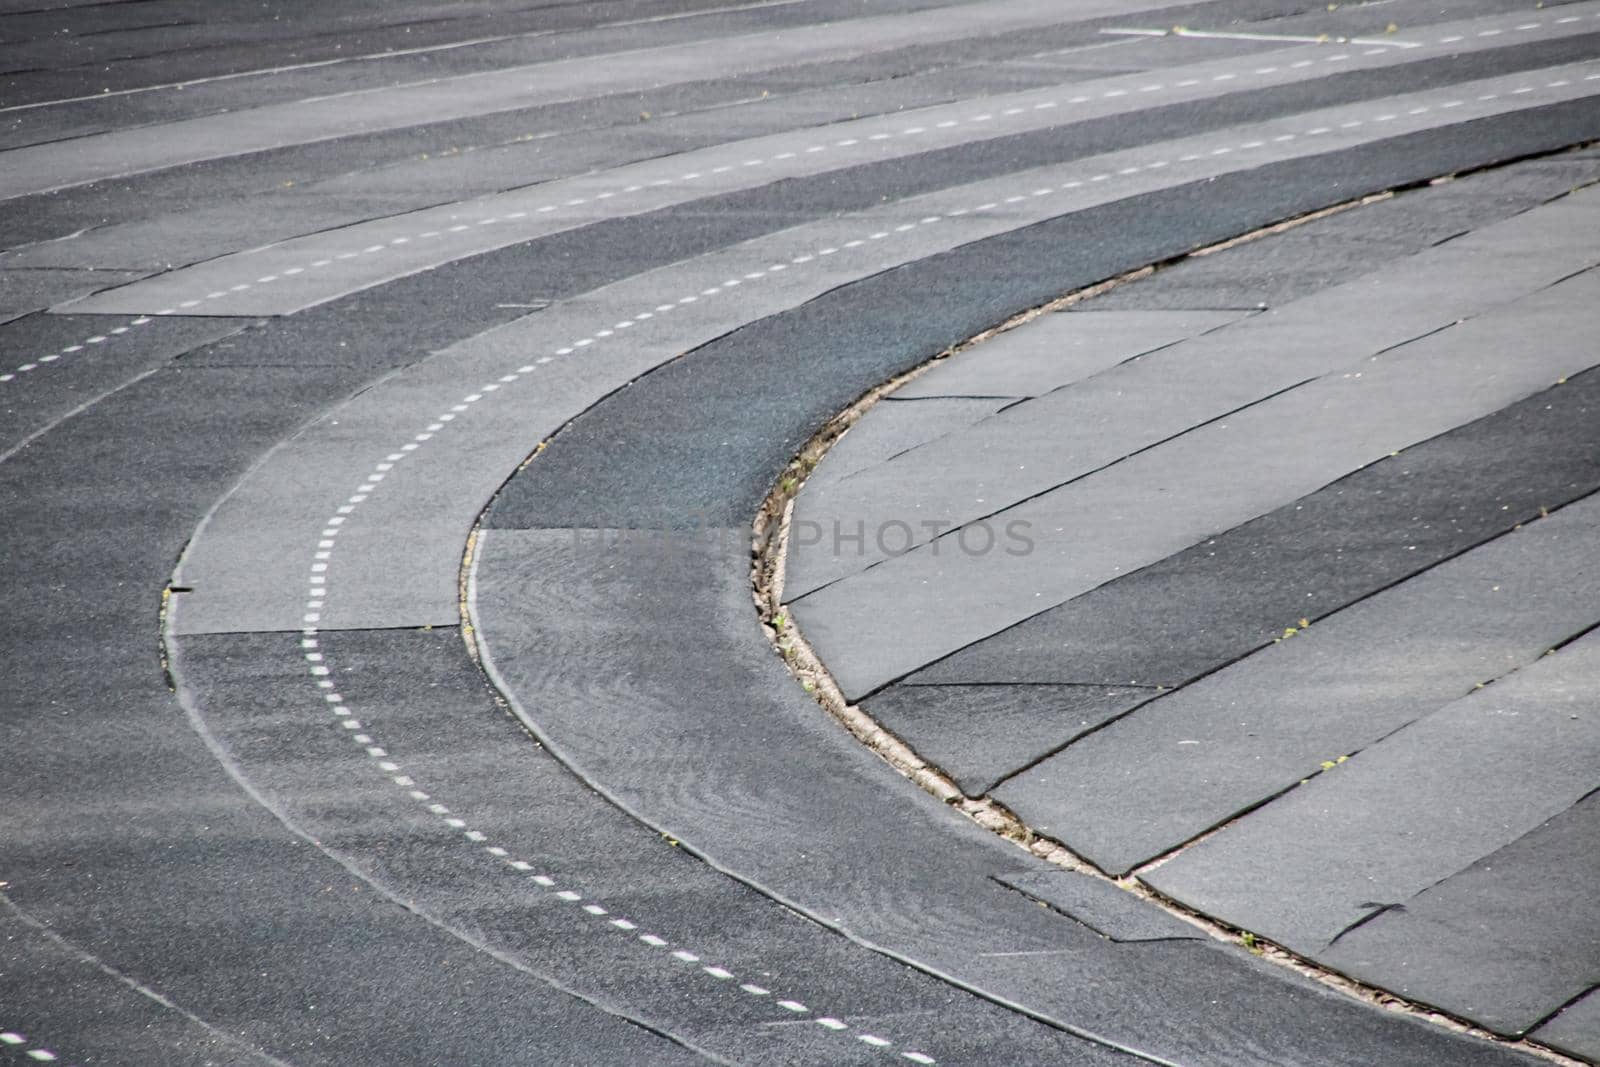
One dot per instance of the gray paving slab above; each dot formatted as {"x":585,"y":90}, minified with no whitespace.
{"x":1107,"y":910}
{"x":979,"y":734}
{"x":1053,"y":350}
{"x":1165,"y":499}
{"x":895,"y":428}
{"x":1036,"y":446}
{"x":1576,"y":1031}
{"x":1216,"y":601}
{"x":1405,"y":814}
{"x":56,"y":166}
{"x":1273,"y":273}
{"x":1351,"y":243}
{"x":1194,"y":758}
{"x":1505,"y":942}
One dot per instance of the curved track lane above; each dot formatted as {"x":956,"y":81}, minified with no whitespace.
{"x":263,"y":803}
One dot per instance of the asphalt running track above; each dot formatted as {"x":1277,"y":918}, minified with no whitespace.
{"x":263,"y":803}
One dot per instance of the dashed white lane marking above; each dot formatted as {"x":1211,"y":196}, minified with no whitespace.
{"x":19,"y":1042}
{"x":327,"y":543}
{"x":310,"y":643}
{"x":848,"y":142}
{"x":44,"y":360}
{"x":1224,"y":35}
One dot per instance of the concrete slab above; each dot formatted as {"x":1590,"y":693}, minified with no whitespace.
{"x":1107,"y":910}
{"x":1406,"y":813}
{"x":1214,"y":602}
{"x":1576,"y":1030}
{"x":1047,"y":442}
{"x":897,"y":427}
{"x":1502,"y":942}
{"x":1163,"y":500}
{"x":1194,"y":758}
{"x":979,"y":734}
{"x":1054,"y":350}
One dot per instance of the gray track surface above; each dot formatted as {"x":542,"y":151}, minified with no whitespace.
{"x":1181,"y":689}
{"x":270,"y":798}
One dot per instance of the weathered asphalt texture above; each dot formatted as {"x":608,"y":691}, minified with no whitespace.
{"x":204,"y":863}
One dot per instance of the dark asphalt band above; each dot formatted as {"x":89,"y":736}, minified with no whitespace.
{"x":704,"y":441}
